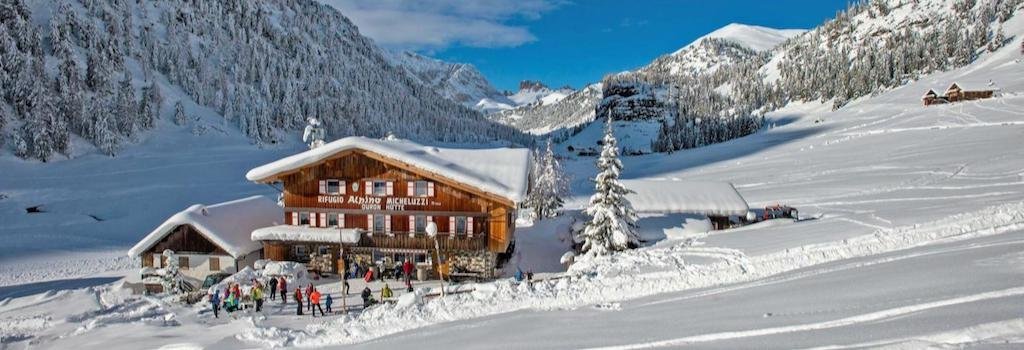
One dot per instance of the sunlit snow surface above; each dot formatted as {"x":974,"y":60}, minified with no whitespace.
{"x":913,"y":238}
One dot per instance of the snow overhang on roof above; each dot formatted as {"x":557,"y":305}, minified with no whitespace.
{"x":228,"y":225}
{"x":293,"y":233}
{"x":503,"y":172}
{"x":698,"y":197}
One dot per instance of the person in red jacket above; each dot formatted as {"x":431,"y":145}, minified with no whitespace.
{"x":309,"y":303}
{"x":283,"y":287}
{"x":407,"y":273}
{"x":298,"y":301}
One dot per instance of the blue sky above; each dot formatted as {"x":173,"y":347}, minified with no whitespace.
{"x":564,"y":42}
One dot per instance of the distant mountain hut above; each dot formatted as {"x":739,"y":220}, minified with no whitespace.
{"x":956,"y":92}
{"x":931,"y":98}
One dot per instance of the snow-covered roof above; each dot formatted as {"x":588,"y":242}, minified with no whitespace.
{"x":971,"y":86}
{"x":931,"y":92}
{"x":670,"y":196}
{"x":228,"y":224}
{"x":305,"y":233}
{"x":499,"y":171}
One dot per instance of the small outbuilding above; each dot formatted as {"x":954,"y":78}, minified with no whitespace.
{"x":931,"y":98}
{"x":719,"y":201}
{"x":210,"y":238}
{"x":959,"y":92}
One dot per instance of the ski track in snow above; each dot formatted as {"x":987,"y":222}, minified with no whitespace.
{"x":863,"y":318}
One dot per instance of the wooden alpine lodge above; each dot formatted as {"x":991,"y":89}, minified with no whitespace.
{"x":956,"y":93}
{"x":371,"y":201}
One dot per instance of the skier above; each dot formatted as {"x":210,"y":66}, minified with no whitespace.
{"x":215,"y":302}
{"x":272,"y":285}
{"x":298,"y":301}
{"x":344,"y":288}
{"x":407,"y":273}
{"x":257,"y":296}
{"x":283,"y":287}
{"x":314,"y":299}
{"x":518,"y":275}
{"x":328,"y":301}
{"x":386,"y":293}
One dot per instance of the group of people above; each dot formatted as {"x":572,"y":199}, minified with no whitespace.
{"x":232,"y":299}
{"x":386,"y":267}
{"x":310,"y":298}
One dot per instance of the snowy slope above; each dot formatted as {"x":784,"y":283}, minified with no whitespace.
{"x":913,"y":240}
{"x":459,"y":82}
{"x":554,"y":112}
{"x":756,"y":38}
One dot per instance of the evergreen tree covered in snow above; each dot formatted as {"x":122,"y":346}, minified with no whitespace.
{"x":179,"y":114}
{"x":612,"y":226}
{"x":313,"y":135}
{"x":550,"y":184}
{"x":171,"y":278}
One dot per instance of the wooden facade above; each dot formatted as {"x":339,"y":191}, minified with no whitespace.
{"x":955,"y":93}
{"x":392,"y":201}
{"x":197,"y":255}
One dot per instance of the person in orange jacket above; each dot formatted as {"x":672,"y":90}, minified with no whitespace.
{"x":314,"y":299}
{"x":298,"y":301}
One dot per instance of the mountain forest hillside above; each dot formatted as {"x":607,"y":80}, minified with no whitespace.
{"x":108,"y":71}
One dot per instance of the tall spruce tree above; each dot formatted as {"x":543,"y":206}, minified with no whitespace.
{"x":549,"y":184}
{"x":612,"y":226}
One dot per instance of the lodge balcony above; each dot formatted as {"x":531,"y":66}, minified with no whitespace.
{"x":403,"y":240}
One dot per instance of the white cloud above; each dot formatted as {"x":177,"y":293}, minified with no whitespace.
{"x":436,"y":24}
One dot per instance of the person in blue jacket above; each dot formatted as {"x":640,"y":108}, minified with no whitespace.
{"x":329,"y":301}
{"x":215,"y":302}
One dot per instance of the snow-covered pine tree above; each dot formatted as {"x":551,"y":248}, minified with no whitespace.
{"x":149,"y":110}
{"x":171,"y":274}
{"x":127,"y":109}
{"x":549,"y":184}
{"x":997,"y":40}
{"x":314,"y":134}
{"x":179,"y":114}
{"x":18,"y":145}
{"x":612,"y":226}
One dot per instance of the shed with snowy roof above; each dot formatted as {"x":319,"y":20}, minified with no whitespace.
{"x":960,"y":92}
{"x":210,"y":238}
{"x":717,"y":200}
{"x":373,"y":199}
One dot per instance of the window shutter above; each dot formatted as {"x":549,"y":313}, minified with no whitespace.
{"x":295,"y":218}
{"x":430,"y":189}
{"x":387,"y":224}
{"x":323,"y":186}
{"x":411,"y":189}
{"x":341,"y":220}
{"x":469,"y":227}
{"x":369,"y":187}
{"x":323,"y":220}
{"x":412,"y":225}
{"x":369,"y":223}
{"x":391,"y":188}
{"x":451,"y":225}
{"x":341,"y":187}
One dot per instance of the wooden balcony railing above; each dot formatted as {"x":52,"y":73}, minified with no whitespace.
{"x":402,"y":240}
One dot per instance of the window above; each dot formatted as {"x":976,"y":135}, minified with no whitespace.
{"x":301,"y":251}
{"x":183,"y":263}
{"x":421,"y":258}
{"x":304,"y":218}
{"x":420,"y":224}
{"x":378,"y":224}
{"x":420,"y":189}
{"x":380,"y":188}
{"x":333,"y":186}
{"x":460,"y":225}
{"x":323,"y":250}
{"x":332,"y":220}
{"x":214,"y":263}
